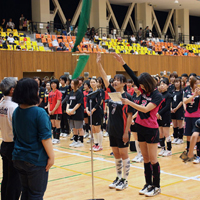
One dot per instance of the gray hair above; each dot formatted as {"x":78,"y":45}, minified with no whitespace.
{"x":7,"y":84}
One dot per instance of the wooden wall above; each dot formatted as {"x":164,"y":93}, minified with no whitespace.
{"x":14,"y":63}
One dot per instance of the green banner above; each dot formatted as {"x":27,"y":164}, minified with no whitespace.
{"x":83,"y":22}
{"x":80,"y":65}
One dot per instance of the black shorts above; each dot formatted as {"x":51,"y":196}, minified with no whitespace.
{"x":163,"y":123}
{"x":133,"y":128}
{"x":118,"y":142}
{"x":96,"y":119}
{"x":195,"y":129}
{"x":56,"y":116}
{"x":148,"y":135}
{"x":85,"y":115}
{"x":178,"y":115}
{"x":189,"y":125}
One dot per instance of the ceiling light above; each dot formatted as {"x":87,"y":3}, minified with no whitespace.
{"x":176,"y":1}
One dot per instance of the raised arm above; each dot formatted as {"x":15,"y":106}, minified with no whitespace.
{"x":101,"y":70}
{"x":127,"y":68}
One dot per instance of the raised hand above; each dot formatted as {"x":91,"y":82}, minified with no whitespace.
{"x":119,"y":58}
{"x":98,"y":58}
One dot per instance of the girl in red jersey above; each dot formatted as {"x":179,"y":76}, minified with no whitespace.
{"x":147,"y":127}
{"x":86,"y":91}
{"x":55,"y":110}
{"x":130,"y":88}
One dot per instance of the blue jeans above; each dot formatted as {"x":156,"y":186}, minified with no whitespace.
{"x":33,"y":179}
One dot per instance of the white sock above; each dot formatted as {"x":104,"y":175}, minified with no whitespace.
{"x":137,"y":147}
{"x":119,"y":165}
{"x":126,"y":168}
{"x":100,"y":137}
{"x":96,"y":138}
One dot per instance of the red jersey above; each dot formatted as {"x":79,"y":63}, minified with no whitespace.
{"x":130,"y":91}
{"x":85,"y":93}
{"x":52,"y":99}
{"x":106,"y":98}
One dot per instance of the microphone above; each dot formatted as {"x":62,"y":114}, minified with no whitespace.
{"x":93,"y":93}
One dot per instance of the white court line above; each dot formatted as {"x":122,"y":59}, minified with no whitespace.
{"x":109,"y":161}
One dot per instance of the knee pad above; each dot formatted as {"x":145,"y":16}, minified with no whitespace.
{"x":197,"y":123}
{"x":168,"y":139}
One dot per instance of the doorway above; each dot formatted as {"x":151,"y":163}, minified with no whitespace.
{"x":38,"y":74}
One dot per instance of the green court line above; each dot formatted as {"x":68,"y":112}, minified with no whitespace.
{"x":72,"y":149}
{"x":64,"y":177}
{"x":100,"y":170}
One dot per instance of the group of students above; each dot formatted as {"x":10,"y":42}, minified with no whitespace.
{"x":147,"y":107}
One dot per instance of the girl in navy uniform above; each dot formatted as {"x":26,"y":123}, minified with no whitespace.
{"x":96,"y":112}
{"x":120,"y":117}
{"x":192,"y":113}
{"x":177,"y":112}
{"x":164,"y":119}
{"x":172,"y":78}
{"x":147,"y":127}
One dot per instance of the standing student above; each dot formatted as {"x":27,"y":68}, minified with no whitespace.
{"x":177,"y":112}
{"x":172,"y":78}
{"x":33,"y":153}
{"x":46,"y":95}
{"x":120,"y":117}
{"x":136,"y":99}
{"x":96,"y":112}
{"x":55,"y":110}
{"x":192,"y":112}
{"x":75,"y":109}
{"x":147,"y":127}
{"x":87,"y":122}
{"x":164,"y":119}
{"x":130,"y":88}
{"x":64,"y":118}
{"x":10,"y":185}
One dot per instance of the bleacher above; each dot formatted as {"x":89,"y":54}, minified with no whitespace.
{"x":21,"y":40}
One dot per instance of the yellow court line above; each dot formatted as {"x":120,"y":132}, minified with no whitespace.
{"x":63,"y":157}
{"x":71,"y":170}
{"x":172,"y":183}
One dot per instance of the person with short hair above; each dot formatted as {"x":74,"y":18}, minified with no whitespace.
{"x":10,"y":24}
{"x":10,"y":185}
{"x":55,"y":109}
{"x":75,"y":109}
{"x":33,"y":153}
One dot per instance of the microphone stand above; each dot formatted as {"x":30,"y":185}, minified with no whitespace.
{"x":91,"y":143}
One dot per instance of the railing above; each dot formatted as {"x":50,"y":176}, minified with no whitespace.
{"x":188,"y":39}
{"x":44,"y":27}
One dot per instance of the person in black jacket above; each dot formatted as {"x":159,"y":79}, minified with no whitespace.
{"x":164,"y":118}
{"x":96,"y":112}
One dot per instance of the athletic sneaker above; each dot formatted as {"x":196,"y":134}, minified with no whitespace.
{"x":89,"y":140}
{"x":86,"y":135}
{"x":114,"y":184}
{"x":135,"y":159}
{"x":167,"y":153}
{"x":93,"y":147}
{"x":197,"y":160}
{"x":55,"y":141}
{"x":179,"y":141}
{"x":123,"y":184}
{"x":79,"y":144}
{"x":72,"y":138}
{"x":174,"y":140}
{"x":105,"y":134}
{"x":97,"y":148}
{"x":153,"y":191}
{"x":89,"y":136}
{"x":161,"y":152}
{"x":73,"y":144}
{"x":65,"y":135}
{"x":140,"y":159}
{"x":144,"y":189}
{"x":61,"y":134}
{"x":159,"y":145}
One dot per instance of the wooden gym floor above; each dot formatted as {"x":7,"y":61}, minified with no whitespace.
{"x":70,"y":177}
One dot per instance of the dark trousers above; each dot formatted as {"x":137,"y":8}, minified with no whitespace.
{"x":10,"y":185}
{"x":33,"y":178}
{"x":64,"y":123}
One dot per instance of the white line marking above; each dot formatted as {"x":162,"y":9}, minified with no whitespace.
{"x":109,"y":161}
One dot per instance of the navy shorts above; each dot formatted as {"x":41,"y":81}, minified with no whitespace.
{"x":118,"y":142}
{"x":163,"y":123}
{"x":178,"y":115}
{"x":148,"y":135}
{"x":189,"y":125}
{"x":56,"y":117}
{"x":133,"y":128}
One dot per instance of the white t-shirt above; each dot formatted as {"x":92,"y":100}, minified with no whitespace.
{"x":133,"y":39}
{"x":55,"y":43}
{"x":104,"y":38}
{"x":7,"y":108}
{"x":11,"y":39}
{"x":96,"y":37}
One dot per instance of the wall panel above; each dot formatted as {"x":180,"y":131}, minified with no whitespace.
{"x":14,"y":63}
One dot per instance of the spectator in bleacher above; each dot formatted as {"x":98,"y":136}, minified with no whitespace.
{"x":88,"y":33}
{"x":10,"y":24}
{"x":11,"y":39}
{"x":140,"y":34}
{"x":147,"y":32}
{"x":55,"y":44}
{"x":92,"y":33}
{"x":104,"y":37}
{"x":96,"y":38}
{"x":25,"y":25}
{"x":21,"y":22}
{"x":76,"y":30}
{"x":48,"y":27}
{"x":3,"y":24}
{"x":68,"y":23}
{"x":132,"y":39}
